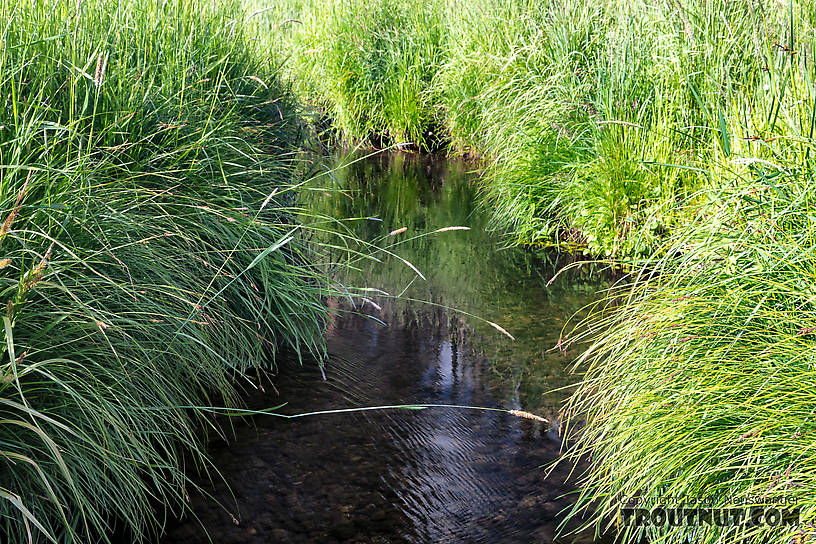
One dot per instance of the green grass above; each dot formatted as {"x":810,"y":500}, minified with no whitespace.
{"x":369,"y":64}
{"x":701,"y":384}
{"x":151,"y":253}
{"x":700,"y":381}
{"x":574,"y":108}
{"x":154,"y":249}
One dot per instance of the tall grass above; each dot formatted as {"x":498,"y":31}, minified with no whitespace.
{"x":699,"y":384}
{"x":150,"y":252}
{"x":368,"y":64}
{"x":575,"y":108}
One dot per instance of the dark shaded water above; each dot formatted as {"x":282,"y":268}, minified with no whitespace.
{"x":431,"y":476}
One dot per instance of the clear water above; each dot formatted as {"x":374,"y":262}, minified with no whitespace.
{"x":431,"y":476}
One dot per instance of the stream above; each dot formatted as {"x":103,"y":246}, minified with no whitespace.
{"x":437,"y":475}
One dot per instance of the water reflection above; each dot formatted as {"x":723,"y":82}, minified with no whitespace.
{"x":429,"y":476}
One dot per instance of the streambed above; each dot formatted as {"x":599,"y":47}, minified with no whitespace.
{"x":397,"y":476}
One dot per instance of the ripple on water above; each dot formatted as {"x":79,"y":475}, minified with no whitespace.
{"x":399,"y":476}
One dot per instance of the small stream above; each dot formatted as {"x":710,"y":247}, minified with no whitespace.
{"x":398,"y":476}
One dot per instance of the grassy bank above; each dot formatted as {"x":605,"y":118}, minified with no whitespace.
{"x":591,"y":117}
{"x":700,"y":384}
{"x":150,"y":252}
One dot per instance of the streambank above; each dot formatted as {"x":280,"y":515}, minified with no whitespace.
{"x":149,"y":253}
{"x":600,"y":122}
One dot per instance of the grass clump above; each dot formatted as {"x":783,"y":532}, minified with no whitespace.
{"x":367,"y":63}
{"x":699,"y":384}
{"x":150,"y":252}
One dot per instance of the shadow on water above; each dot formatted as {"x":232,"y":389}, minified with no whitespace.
{"x":429,"y":476}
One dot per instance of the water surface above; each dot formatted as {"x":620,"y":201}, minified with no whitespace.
{"x":398,"y":476}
